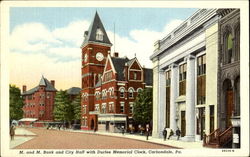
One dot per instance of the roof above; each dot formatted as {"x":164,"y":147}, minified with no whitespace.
{"x":130,"y":61}
{"x":148,"y":75}
{"x":43,"y":82}
{"x":90,"y":35}
{"x":74,"y":90}
{"x":119,"y":64}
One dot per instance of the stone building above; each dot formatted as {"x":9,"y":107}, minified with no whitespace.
{"x":109,"y":83}
{"x":185,"y":77}
{"x":229,"y":74}
{"x":39,"y":102}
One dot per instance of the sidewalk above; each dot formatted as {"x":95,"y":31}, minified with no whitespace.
{"x":21,"y":135}
{"x":172,"y":142}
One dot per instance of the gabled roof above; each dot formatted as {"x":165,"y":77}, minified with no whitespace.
{"x":119,"y":65}
{"x":90,"y":35}
{"x":148,"y":75}
{"x":43,"y":82}
{"x":74,"y":90}
{"x":131,"y":61}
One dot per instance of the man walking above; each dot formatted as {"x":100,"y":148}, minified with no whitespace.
{"x":164,"y":132}
{"x":170,"y":134}
{"x":178,"y":133}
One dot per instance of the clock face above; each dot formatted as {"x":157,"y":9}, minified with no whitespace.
{"x":99,"y":56}
{"x":85,"y":57}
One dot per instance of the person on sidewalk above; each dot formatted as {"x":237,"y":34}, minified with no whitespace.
{"x":170,"y":134}
{"x":164,"y":132}
{"x":147,"y":132}
{"x":123,"y":130}
{"x":12,"y":132}
{"x":178,"y":133}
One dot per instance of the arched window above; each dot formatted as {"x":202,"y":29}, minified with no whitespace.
{"x":229,"y":49}
{"x":122,"y":91}
{"x":139,"y":90}
{"x":131,"y":92}
{"x":237,"y":43}
{"x":99,"y":34}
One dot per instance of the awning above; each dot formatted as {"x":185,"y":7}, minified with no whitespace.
{"x":28,"y":120}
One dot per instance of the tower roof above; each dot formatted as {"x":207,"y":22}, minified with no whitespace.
{"x":43,"y":82}
{"x":90,"y":35}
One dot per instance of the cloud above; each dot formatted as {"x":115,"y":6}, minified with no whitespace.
{"x":36,"y":50}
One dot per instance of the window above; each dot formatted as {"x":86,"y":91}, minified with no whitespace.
{"x":111,"y":107}
{"x":182,"y":79}
{"x":229,"y":48}
{"x":97,"y":108}
{"x":237,"y":44}
{"x":131,"y":107}
{"x":122,"y":90}
{"x":168,"y":83}
{"x":201,"y":80}
{"x":168,"y":78}
{"x":122,"y":107}
{"x":84,"y":109}
{"x":104,"y":108}
{"x":211,"y":109}
{"x":139,"y":90}
{"x":131,"y":92}
{"x":135,"y":75}
{"x":99,"y":34}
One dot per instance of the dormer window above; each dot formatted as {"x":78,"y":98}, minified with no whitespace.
{"x":99,"y":34}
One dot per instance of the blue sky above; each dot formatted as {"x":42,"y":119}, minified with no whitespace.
{"x":47,"y":40}
{"x":125,"y":19}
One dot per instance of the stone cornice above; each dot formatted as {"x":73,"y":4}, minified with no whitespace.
{"x":191,"y":26}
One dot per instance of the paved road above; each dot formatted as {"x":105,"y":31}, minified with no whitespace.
{"x":55,"y":139}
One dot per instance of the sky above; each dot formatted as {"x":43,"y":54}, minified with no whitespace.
{"x":46,"y":41}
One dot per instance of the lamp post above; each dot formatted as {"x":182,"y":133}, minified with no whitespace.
{"x":235,"y":120}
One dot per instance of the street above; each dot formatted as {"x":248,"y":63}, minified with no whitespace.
{"x":60,"y":139}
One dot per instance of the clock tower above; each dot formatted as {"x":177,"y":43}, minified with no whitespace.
{"x":95,"y":49}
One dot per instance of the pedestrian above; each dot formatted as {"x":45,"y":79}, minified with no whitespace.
{"x":123,"y":130}
{"x":164,"y":132}
{"x":12,"y":132}
{"x":59,"y":126}
{"x":178,"y":133}
{"x":171,"y":133}
{"x":147,"y":132}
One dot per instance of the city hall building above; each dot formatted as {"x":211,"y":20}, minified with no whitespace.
{"x":110,"y":84}
{"x":196,"y":78}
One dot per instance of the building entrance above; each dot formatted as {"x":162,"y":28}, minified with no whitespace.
{"x":183,"y":123}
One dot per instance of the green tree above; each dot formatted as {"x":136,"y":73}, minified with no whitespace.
{"x":142,"y":112}
{"x":76,"y":104}
{"x":63,"y":110}
{"x":16,"y":103}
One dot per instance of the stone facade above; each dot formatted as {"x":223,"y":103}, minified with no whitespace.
{"x":185,"y":54}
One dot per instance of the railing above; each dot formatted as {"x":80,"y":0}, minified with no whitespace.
{"x":218,"y":138}
{"x":225,"y":136}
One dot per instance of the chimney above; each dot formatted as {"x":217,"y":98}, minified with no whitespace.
{"x":24,"y":88}
{"x":116,"y":54}
{"x":53,"y":83}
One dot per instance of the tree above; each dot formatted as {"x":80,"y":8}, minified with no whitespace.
{"x":76,"y":104}
{"x":142,"y":112}
{"x":16,"y":103}
{"x":63,"y":110}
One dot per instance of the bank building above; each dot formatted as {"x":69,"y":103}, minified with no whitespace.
{"x":196,"y":79}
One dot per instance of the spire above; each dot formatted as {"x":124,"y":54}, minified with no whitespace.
{"x":42,"y":82}
{"x":96,"y":32}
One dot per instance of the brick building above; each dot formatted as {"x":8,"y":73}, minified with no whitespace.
{"x":39,"y":102}
{"x":109,"y":83}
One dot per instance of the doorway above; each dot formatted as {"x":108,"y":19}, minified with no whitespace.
{"x":107,"y":125}
{"x":183,"y":123}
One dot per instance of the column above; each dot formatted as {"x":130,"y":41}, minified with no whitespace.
{"x":173,"y":95}
{"x":155,"y":101}
{"x":190,"y":98}
{"x":161,"y":102}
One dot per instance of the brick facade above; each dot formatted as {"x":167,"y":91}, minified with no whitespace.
{"x":109,"y":84}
